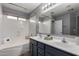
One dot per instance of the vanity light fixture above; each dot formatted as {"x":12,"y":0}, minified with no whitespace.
{"x":48,"y":5}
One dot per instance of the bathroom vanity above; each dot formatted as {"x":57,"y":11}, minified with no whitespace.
{"x":41,"y":47}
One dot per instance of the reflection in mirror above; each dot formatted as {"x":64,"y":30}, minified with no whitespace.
{"x":45,"y":25}
{"x":64,"y":20}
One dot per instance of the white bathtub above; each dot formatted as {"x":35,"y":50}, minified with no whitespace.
{"x":14,"y":48}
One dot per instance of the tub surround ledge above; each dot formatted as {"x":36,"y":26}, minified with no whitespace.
{"x":16,"y":42}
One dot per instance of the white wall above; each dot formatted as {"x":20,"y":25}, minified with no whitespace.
{"x":13,"y":28}
{"x":45,"y":27}
{"x":10,"y":27}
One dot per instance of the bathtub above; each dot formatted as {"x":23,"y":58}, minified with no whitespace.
{"x":17,"y":47}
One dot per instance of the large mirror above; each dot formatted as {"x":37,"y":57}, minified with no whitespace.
{"x":61,"y":20}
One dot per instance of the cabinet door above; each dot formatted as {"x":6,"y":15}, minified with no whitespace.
{"x":33,"y":47}
{"x":56,"y":52}
{"x":48,"y":54}
{"x":30,"y":48}
{"x":40,"y":45}
{"x":34,"y":50}
{"x":40,"y":52}
{"x":33,"y":42}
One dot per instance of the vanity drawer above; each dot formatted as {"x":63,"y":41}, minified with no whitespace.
{"x":34,"y":50}
{"x":40,"y":45}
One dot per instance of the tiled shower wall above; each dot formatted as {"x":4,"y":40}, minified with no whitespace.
{"x":12,"y":28}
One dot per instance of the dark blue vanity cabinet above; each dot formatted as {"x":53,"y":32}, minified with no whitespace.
{"x":41,"y":49}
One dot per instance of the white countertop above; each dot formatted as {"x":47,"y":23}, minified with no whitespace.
{"x":16,"y":42}
{"x":68,"y":47}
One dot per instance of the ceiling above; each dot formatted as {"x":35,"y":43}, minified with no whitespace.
{"x":61,"y":9}
{"x":23,"y":7}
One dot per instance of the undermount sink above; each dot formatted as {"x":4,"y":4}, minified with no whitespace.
{"x":60,"y":43}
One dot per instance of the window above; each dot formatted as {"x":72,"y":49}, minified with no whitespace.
{"x":21,"y":19}
{"x":12,"y":17}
